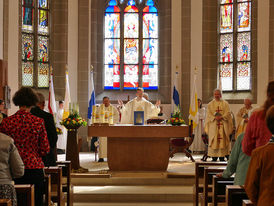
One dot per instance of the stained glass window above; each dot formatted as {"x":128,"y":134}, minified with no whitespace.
{"x":35,"y":43}
{"x":132,"y":45}
{"x":235,"y":45}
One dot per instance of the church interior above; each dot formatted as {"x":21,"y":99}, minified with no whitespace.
{"x":113,"y":47}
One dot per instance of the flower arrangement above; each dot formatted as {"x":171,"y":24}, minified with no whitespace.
{"x":59,"y":131}
{"x":73,"y":121}
{"x":176,"y":119}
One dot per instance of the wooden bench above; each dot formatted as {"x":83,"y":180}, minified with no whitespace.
{"x":47,"y":190}
{"x":57,"y":194}
{"x":219,"y":186}
{"x":199,"y":175}
{"x":5,"y":202}
{"x":207,"y":194}
{"x":66,"y":180}
{"x":235,"y":194}
{"x":25,"y":195}
{"x":247,"y":203}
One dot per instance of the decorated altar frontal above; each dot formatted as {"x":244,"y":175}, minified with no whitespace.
{"x":138,"y":148}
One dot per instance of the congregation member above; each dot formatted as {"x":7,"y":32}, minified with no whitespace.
{"x":30,"y":138}
{"x":243,"y":117}
{"x":198,"y":144}
{"x":2,"y":109}
{"x":259,"y":184}
{"x":218,"y":126}
{"x":38,"y":110}
{"x":11,"y":166}
{"x":62,"y":138}
{"x":139,"y":103}
{"x":237,"y":164}
{"x":257,"y":134}
{"x":109,"y":108}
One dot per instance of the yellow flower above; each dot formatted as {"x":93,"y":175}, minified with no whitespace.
{"x":73,"y":121}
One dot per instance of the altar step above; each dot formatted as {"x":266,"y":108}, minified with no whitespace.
{"x":132,"y":204}
{"x":133,"y":194}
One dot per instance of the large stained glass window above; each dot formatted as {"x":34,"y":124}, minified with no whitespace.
{"x":235,"y":45}
{"x":35,"y":43}
{"x":131,"y":45}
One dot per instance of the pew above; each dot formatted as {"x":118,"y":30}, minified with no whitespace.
{"x":199,"y":175}
{"x":47,"y":190}
{"x":66,"y":180}
{"x":25,"y":195}
{"x":57,"y":194}
{"x":219,"y":186}
{"x":235,"y":194}
{"x":247,"y":203}
{"x":5,"y":202}
{"x":207,"y":194}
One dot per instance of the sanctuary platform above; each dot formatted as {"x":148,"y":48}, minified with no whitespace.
{"x":103,"y":187}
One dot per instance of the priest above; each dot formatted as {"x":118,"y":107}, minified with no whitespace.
{"x":139,"y":103}
{"x":218,"y":126}
{"x":243,"y":117}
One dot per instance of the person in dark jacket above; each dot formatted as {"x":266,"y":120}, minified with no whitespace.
{"x":38,"y":110}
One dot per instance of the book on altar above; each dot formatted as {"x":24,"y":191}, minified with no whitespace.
{"x":138,"y":117}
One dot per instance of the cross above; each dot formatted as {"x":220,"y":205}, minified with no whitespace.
{"x":218,"y":110}
{"x":219,"y":123}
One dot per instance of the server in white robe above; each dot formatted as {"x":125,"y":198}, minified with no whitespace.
{"x":110,"y":116}
{"x":139,"y":103}
{"x":62,"y":138}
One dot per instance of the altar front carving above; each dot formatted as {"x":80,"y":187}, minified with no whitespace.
{"x":138,"y":148}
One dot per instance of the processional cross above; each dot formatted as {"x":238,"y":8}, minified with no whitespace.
{"x":219,"y":122}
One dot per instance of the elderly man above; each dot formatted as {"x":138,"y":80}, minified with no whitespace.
{"x":218,"y":126}
{"x":243,"y":117}
{"x":139,"y":103}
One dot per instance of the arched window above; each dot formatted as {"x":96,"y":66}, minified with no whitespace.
{"x":235,"y":67}
{"x":35,"y":43}
{"x":131,"y":45}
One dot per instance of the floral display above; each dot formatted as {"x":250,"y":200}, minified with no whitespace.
{"x":176,"y":119}
{"x":73,"y":121}
{"x":59,"y":131}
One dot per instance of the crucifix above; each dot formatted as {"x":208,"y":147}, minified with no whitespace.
{"x":219,"y":123}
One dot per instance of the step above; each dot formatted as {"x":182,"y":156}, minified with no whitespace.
{"x":131,"y":204}
{"x":142,"y":179}
{"x":133,"y":194}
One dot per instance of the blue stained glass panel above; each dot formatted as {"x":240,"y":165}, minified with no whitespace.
{"x":43,"y":52}
{"x":244,"y":16}
{"x":131,"y":77}
{"x":112,"y":51}
{"x":150,"y":51}
{"x":27,"y":47}
{"x":131,"y":26}
{"x":150,"y":77}
{"x":43,"y":22}
{"x":150,"y":25}
{"x":226,"y":76}
{"x":226,"y":48}
{"x":112,"y":3}
{"x":112,"y":77}
{"x":131,"y":51}
{"x":243,"y":44}
{"x":27,"y":19}
{"x":43,"y":75}
{"x":43,"y":4}
{"x":112,"y":25}
{"x":27,"y":74}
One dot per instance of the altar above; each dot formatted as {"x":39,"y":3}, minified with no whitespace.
{"x":138,"y":148}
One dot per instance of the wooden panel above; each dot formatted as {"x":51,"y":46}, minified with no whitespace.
{"x":128,"y":131}
{"x":3,"y":77}
{"x":138,"y":154}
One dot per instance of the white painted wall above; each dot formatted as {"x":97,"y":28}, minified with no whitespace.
{"x":1,"y":29}
{"x":13,"y":38}
{"x":73,"y":47}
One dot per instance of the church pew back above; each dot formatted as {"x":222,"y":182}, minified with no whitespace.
{"x":219,"y":187}
{"x":5,"y":202}
{"x":199,"y":175}
{"x":247,"y":203}
{"x":47,"y":189}
{"x":235,"y":194}
{"x":66,"y":180}
{"x":25,"y":195}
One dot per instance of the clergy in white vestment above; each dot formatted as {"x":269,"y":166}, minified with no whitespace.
{"x":111,"y":116}
{"x":218,"y":126}
{"x":138,"y":104}
{"x":62,"y":138}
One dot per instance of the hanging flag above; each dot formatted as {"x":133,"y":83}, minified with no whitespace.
{"x":193,"y":109}
{"x":176,"y":96}
{"x":92,"y":95}
{"x":67,"y":98}
{"x":51,"y":102}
